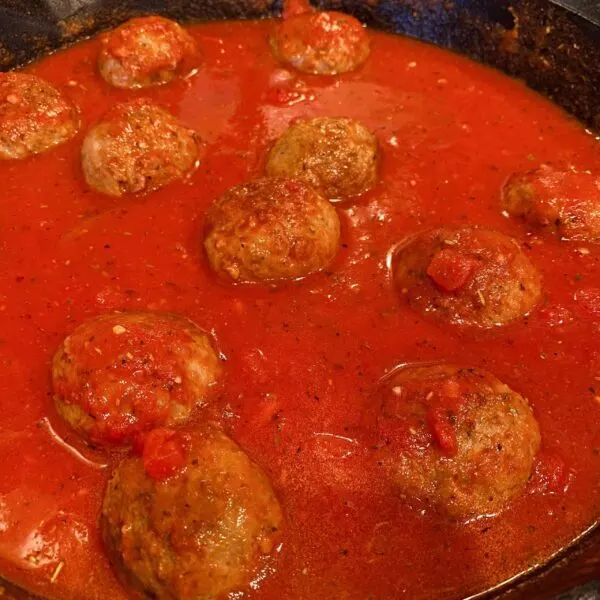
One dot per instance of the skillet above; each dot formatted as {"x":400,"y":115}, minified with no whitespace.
{"x":553,"y":45}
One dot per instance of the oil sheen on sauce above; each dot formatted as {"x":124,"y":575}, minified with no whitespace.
{"x":303,"y":359}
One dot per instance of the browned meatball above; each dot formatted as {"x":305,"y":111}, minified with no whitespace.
{"x":566,"y":202}
{"x":121,"y":374}
{"x":34,"y":116}
{"x":457,"y":438}
{"x":198,"y":534}
{"x":468,"y":276}
{"x":270,"y":229}
{"x":323,"y":43}
{"x":137,"y":147}
{"x":146,"y":51}
{"x":337,"y":156}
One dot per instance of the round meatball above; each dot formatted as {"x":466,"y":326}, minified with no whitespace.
{"x":337,"y":156}
{"x":271,"y":229}
{"x":119,"y":375}
{"x":323,"y":43}
{"x":145,"y":52}
{"x":137,"y":147}
{"x":456,"y":438}
{"x":470,"y":276}
{"x":34,"y":116}
{"x":199,"y":533}
{"x":565,"y":202}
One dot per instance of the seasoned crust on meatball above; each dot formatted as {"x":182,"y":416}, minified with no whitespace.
{"x":200,"y":534}
{"x":118,"y":375}
{"x":137,"y":147}
{"x":336,"y":155}
{"x":323,"y":43}
{"x":567,"y":202}
{"x":34,"y":116}
{"x":457,"y":438}
{"x":271,"y":229}
{"x":145,"y":52}
{"x":469,"y":276}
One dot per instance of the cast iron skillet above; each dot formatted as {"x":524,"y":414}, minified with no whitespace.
{"x":554,"y":45}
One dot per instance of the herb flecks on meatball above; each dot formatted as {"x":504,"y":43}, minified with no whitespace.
{"x":336,"y":155}
{"x":137,"y":147}
{"x":119,"y":375}
{"x":34,"y":116}
{"x":271,"y":229}
{"x":322,"y":43}
{"x":564,"y":202}
{"x":469,"y":276}
{"x":456,"y":438}
{"x":145,"y":52}
{"x":200,"y":531}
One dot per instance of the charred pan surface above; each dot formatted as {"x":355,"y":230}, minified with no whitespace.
{"x":555,"y":51}
{"x":30,"y":29}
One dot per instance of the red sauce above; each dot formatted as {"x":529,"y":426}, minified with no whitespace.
{"x":163,"y":453}
{"x":303,"y":359}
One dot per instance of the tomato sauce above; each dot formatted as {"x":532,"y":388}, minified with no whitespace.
{"x":303,"y":360}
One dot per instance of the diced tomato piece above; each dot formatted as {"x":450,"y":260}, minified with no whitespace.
{"x":164,"y":453}
{"x":588,"y":300}
{"x":443,"y":430}
{"x":444,"y":402}
{"x":452,"y":269}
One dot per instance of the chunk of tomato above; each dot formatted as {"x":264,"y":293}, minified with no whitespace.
{"x":442,"y":416}
{"x":443,"y":430}
{"x":452,"y":269}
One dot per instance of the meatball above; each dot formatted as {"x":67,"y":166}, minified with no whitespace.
{"x":456,"y":438}
{"x":337,"y":156}
{"x":137,"y":147}
{"x":271,"y":229}
{"x":323,"y":43}
{"x":470,"y":276}
{"x":565,"y":202}
{"x":34,"y":116}
{"x":119,"y":375}
{"x":145,"y":52}
{"x":197,"y":534}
